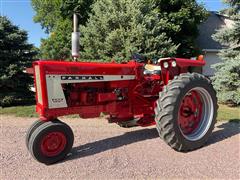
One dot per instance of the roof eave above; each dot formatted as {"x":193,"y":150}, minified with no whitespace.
{"x":211,"y":50}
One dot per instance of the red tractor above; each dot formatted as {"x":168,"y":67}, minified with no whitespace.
{"x":181,"y":103}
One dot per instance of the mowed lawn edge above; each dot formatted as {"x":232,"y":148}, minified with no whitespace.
{"x":225,"y":113}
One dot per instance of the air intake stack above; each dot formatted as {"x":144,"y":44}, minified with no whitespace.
{"x":75,"y":38}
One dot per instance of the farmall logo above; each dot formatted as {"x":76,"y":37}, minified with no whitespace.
{"x":82,"y":78}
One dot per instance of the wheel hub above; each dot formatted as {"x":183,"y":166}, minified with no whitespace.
{"x":190,"y":112}
{"x":53,"y":143}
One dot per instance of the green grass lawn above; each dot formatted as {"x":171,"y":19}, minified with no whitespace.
{"x":225,"y":113}
{"x":19,"y":111}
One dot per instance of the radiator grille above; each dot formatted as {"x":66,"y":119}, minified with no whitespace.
{"x":38,"y":84}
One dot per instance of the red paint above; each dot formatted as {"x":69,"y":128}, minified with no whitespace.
{"x":120,"y":99}
{"x":188,"y":62}
{"x":53,"y":144}
{"x":87,"y":68}
{"x":106,"y":97}
{"x":30,"y":70}
{"x":190,"y":112}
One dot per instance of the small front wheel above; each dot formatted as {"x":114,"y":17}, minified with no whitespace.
{"x":51,"y":142}
{"x":31,"y":129}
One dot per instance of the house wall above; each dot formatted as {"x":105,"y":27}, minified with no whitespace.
{"x":210,"y":58}
{"x":205,"y":42}
{"x":228,"y":22}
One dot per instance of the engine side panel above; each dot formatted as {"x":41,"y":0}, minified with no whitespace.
{"x":78,"y":88}
{"x":56,"y":97}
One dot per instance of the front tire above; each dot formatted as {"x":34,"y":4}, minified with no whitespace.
{"x":186,"y":111}
{"x":51,"y":142}
{"x":31,"y":129}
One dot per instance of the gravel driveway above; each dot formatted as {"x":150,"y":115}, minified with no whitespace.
{"x":106,"y":151}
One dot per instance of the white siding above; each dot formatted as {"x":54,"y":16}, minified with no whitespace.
{"x":210,"y":58}
{"x":229,"y":23}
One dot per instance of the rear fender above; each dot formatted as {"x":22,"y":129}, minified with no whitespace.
{"x":189,"y":63}
{"x":181,"y":66}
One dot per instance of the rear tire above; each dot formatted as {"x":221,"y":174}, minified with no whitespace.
{"x":185,"y":112}
{"x":51,"y":142}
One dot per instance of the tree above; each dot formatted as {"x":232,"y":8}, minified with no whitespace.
{"x":227,"y":77}
{"x":173,"y":23}
{"x":233,"y":9}
{"x":155,"y":28}
{"x":55,"y":16}
{"x":47,"y":13}
{"x":80,"y":7}
{"x":58,"y":44}
{"x":15,"y":55}
{"x":182,"y":20}
{"x":51,"y":13}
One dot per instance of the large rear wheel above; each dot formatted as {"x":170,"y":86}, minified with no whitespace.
{"x":186,"y":112}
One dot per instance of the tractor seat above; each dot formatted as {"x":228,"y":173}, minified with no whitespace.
{"x":151,"y":69}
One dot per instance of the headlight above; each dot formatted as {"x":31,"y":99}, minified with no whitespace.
{"x":165,"y":65}
{"x":174,"y":63}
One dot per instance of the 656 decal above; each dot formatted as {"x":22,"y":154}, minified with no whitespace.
{"x":57,"y":100}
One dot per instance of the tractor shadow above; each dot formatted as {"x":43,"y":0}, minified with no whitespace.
{"x":112,"y":143}
{"x":224,"y":131}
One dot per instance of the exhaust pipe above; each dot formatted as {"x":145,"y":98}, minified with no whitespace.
{"x":75,"y":38}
